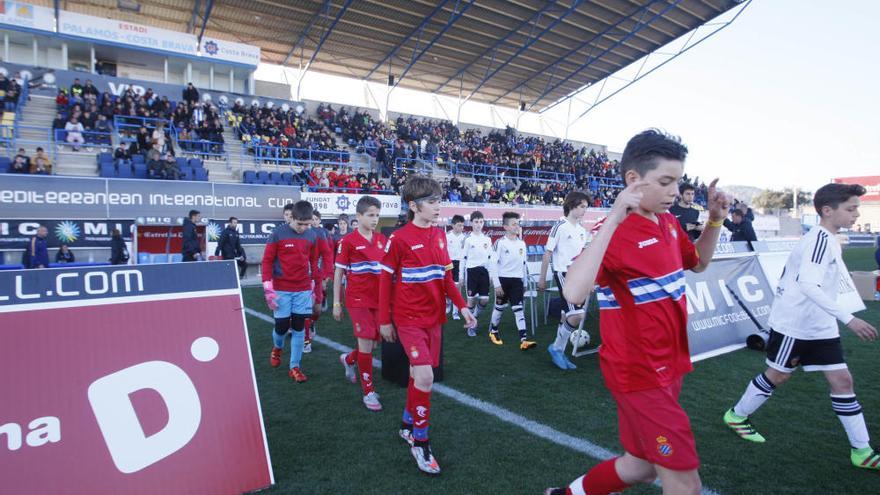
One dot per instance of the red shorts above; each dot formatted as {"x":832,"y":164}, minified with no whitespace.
{"x":654,"y":427}
{"x":421,"y":345}
{"x":365,"y":322}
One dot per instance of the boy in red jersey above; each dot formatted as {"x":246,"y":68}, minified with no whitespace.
{"x":325,"y":265}
{"x":416,"y":279}
{"x":290,"y":269}
{"x":357,"y":257}
{"x":636,"y":265}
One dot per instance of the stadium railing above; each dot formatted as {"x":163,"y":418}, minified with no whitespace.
{"x":292,"y":157}
{"x":204,"y":149}
{"x":91,"y":138}
{"x":126,"y":126}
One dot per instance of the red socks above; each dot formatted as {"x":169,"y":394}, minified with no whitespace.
{"x":351,"y":357}
{"x":602,"y":480}
{"x":308,"y":328}
{"x":365,"y":367}
{"x":421,"y":412}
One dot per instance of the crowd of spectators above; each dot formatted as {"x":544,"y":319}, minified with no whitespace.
{"x":39,"y":164}
{"x":9,"y":93}
{"x":280,"y":133}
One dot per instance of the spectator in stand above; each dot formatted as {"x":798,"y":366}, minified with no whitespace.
{"x":21,"y":163}
{"x":118,"y":251}
{"x":170,"y":168}
{"x":155,"y":166}
{"x":740,"y":228}
{"x":190,"y":94}
{"x":158,"y":136}
{"x":41,"y":164}
{"x":122,"y":153}
{"x":102,"y":126}
{"x":74,"y":133}
{"x":88,"y":120}
{"x":76,"y":90}
{"x":59,"y":121}
{"x":64,"y":255}
{"x":4,"y":86}
{"x":38,"y":252}
{"x":142,"y":140}
{"x":89,"y":90}
{"x":11,"y":100}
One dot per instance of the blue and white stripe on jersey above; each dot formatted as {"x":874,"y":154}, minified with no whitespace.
{"x":422,"y":274}
{"x":819,"y":248}
{"x":371,"y":267}
{"x":606,"y":298}
{"x":646,"y":289}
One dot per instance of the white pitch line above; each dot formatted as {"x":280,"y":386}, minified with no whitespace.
{"x":540,"y":430}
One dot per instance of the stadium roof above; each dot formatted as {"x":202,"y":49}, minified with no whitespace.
{"x":494,"y":51}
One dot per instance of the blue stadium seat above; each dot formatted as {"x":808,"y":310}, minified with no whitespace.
{"x":287,"y":178}
{"x":274,"y":178}
{"x":249,"y":177}
{"x":262,"y":177}
{"x":196,"y":163}
{"x":181,"y":162}
{"x":138,"y":158}
{"x":201,"y":174}
{"x":108,"y":170}
{"x":159,"y":258}
{"x":176,"y":258}
{"x":140,"y":171}
{"x":186,"y":173}
{"x":144,"y":258}
{"x":124,"y":172}
{"x":104,"y":157}
{"x":5,"y":162}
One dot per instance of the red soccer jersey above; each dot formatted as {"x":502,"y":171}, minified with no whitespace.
{"x":361,"y":259}
{"x":418,"y":260}
{"x":643,"y":309}
{"x":325,"y":251}
{"x":291,"y":260}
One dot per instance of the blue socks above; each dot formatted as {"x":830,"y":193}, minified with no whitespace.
{"x":297,"y":342}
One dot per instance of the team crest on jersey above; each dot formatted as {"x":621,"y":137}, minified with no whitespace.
{"x":379,"y":244}
{"x":673,"y":231}
{"x":442,"y":245}
{"x":663,"y":446}
{"x":413,"y":352}
{"x":357,"y":327}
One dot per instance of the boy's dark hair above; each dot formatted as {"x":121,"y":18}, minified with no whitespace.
{"x":509,"y":215}
{"x":686,"y":186}
{"x":834,"y":194}
{"x":288,"y":207}
{"x":231,"y":219}
{"x":737,"y":212}
{"x":193,"y":213}
{"x":343,"y":217}
{"x":457,"y":219}
{"x":573,"y":200}
{"x":302,"y":210}
{"x":364,"y":204}
{"x":316,"y":213}
{"x":643,"y":150}
{"x":419,"y":188}
{"x":477,"y":215}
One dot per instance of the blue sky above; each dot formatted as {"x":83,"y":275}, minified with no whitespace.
{"x":785,"y":96}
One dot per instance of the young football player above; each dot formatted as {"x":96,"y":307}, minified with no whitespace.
{"x":325,"y":264}
{"x":456,"y":238}
{"x":510,"y":274}
{"x":475,"y":257}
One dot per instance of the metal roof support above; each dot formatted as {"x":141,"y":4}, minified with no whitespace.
{"x":531,"y":41}
{"x":324,"y":11}
{"x":191,"y":25}
{"x":456,"y":14}
{"x":324,"y":37}
{"x":718,"y":26}
{"x":639,"y":25}
{"x":556,"y":63}
{"x":416,"y":32}
{"x":494,"y":48}
{"x":208,"y":6}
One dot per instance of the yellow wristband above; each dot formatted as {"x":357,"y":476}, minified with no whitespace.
{"x":717,"y":224}
{"x":337,"y":305}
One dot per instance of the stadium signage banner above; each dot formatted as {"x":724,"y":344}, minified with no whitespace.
{"x":15,"y":234}
{"x":140,"y":36}
{"x":251,"y":232}
{"x":726,"y":303}
{"x":334,"y":204}
{"x":126,"y":383}
{"x":23,"y":15}
{"x":26,"y":197}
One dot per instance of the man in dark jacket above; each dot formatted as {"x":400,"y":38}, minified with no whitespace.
{"x":740,"y":228}
{"x":191,"y":250}
{"x":190,"y":94}
{"x":229,"y":246}
{"x":118,"y":252}
{"x":38,"y":252}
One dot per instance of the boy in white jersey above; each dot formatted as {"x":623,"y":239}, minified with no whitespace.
{"x":804,"y":329}
{"x":474,"y":268}
{"x":509,"y":272}
{"x":567,"y":239}
{"x":455,"y":245}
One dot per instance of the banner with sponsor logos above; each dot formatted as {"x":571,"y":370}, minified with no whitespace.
{"x":870,"y":182}
{"x":27,"y":16}
{"x":126,"y":382}
{"x":25,"y":196}
{"x":726,"y":303}
{"x":15,"y":234}
{"x":140,"y":36}
{"x":333,"y":204}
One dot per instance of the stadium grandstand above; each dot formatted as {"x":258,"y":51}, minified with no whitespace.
{"x":145,"y":133}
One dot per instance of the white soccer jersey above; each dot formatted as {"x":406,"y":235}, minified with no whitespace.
{"x":806,"y":305}
{"x":566,"y":241}
{"x":477,"y":251}
{"x":455,"y":245}
{"x":508,"y":260}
